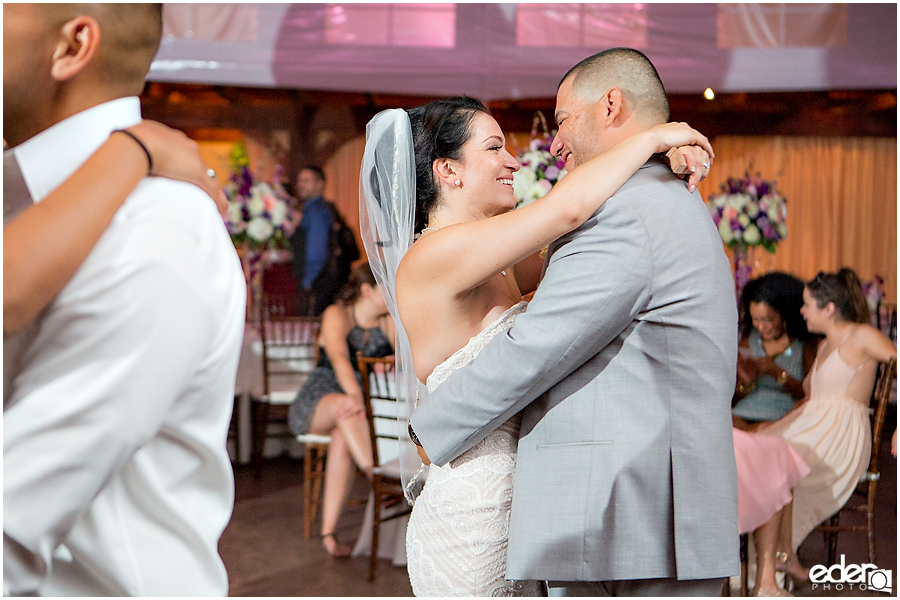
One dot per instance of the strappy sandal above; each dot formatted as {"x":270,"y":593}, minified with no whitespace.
{"x":794,"y":573}
{"x":340,"y":551}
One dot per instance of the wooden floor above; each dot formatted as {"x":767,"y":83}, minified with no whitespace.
{"x":266,"y":554}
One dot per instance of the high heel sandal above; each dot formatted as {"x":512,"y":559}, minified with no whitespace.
{"x":794,"y":572}
{"x":339,"y":551}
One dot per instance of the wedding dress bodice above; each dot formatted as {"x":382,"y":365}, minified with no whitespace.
{"x":457,"y":537}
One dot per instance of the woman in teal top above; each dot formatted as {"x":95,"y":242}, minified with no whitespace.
{"x":775,"y":351}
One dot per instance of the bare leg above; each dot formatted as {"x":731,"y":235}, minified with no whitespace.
{"x":349,"y":443}
{"x":339,"y":474}
{"x":355,"y":430}
{"x":766,"y":539}
{"x":786,"y":559}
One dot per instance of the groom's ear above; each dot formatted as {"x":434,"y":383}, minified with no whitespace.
{"x":611,"y":107}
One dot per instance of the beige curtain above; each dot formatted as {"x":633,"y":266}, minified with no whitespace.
{"x":342,"y":182}
{"x":841,"y":198}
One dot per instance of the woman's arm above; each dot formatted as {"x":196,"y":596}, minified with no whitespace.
{"x":335,"y":327}
{"x":48,"y":241}
{"x":502,"y":241}
{"x":875,"y":344}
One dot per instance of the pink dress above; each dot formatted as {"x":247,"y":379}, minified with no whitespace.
{"x":767,"y":469}
{"x":831,"y":431}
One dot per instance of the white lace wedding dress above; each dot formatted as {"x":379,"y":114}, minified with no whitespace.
{"x":457,"y":535}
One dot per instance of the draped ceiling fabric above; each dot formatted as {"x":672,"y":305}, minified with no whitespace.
{"x":513,"y":51}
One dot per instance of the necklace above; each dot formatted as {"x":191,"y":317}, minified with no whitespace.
{"x":436,"y":228}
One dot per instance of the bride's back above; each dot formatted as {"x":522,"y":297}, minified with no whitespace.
{"x":439,"y":321}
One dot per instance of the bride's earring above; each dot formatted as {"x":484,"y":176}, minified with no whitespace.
{"x":456,"y":183}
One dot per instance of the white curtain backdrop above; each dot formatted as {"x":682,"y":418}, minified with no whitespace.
{"x":512,"y":51}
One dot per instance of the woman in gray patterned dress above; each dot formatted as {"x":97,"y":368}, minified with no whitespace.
{"x":331,"y":402}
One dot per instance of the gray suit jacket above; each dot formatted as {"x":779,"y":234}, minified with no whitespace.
{"x":624,"y":365}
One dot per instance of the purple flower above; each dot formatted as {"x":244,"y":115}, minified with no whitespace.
{"x":735,"y":225}
{"x":762,"y":221}
{"x":770,"y":233}
{"x":560,"y":164}
{"x":552,"y":172}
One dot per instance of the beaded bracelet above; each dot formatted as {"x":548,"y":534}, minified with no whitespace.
{"x":143,"y":147}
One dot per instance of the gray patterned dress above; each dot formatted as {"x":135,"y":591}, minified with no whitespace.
{"x":322,"y":381}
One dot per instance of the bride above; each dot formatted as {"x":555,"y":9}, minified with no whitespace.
{"x":442,"y":172}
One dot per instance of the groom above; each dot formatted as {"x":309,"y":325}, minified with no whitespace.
{"x":623,"y":366}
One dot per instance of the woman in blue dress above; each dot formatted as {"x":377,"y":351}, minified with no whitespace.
{"x":775,"y":352}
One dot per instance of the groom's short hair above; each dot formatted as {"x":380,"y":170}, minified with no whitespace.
{"x":624,"y":68}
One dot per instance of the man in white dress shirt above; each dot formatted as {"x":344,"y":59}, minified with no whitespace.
{"x":116,"y":479}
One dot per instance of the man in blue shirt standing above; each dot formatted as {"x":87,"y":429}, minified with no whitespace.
{"x":310,"y":242}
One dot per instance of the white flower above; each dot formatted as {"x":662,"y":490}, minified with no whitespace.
{"x":782,"y":229}
{"x":752,"y":209}
{"x":278,"y":213}
{"x":533,"y":159}
{"x":259,"y":229}
{"x":535,"y":145}
{"x":744,"y":220}
{"x":256,"y":206}
{"x":725,"y":231}
{"x":523,"y":181}
{"x":752,"y":235}
{"x":235,"y":212}
{"x":544,"y":187}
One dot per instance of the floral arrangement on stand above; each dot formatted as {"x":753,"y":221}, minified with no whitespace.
{"x":258,"y":212}
{"x":749,"y":213}
{"x":259,"y":219}
{"x":540,"y":169}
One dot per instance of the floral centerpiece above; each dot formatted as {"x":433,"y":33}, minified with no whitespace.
{"x":540,"y":169}
{"x":749,"y":213}
{"x":258,"y":212}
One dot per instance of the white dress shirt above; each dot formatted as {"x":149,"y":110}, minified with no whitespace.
{"x":116,"y":479}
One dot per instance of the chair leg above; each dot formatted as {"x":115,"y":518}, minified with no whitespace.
{"x":260,"y":428}
{"x":320,"y":455}
{"x":376,"y":523}
{"x":835,"y":520}
{"x":308,"y":514}
{"x":745,"y":565}
{"x":870,"y":522}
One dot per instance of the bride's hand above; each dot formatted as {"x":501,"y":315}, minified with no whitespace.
{"x":691,"y":163}
{"x":423,"y":456}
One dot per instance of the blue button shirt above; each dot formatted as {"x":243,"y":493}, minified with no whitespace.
{"x":316,"y":224}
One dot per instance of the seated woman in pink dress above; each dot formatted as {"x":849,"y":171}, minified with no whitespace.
{"x":830,"y":428}
{"x":767,"y":470}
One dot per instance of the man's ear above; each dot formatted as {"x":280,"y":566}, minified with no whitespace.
{"x":76,"y":46}
{"x":611,"y":107}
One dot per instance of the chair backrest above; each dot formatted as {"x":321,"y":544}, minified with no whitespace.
{"x":289,"y":351}
{"x":881,"y":396}
{"x":379,"y":386}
